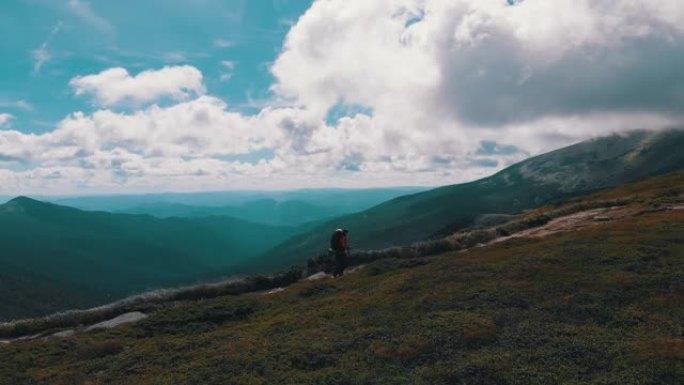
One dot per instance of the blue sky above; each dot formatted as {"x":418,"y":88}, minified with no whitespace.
{"x":85,"y":37}
{"x":146,"y":96}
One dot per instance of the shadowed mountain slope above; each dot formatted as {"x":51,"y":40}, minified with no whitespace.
{"x":574,"y":170}
{"x":91,"y":257}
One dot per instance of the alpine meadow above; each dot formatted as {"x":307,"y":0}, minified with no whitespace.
{"x":342,"y":192}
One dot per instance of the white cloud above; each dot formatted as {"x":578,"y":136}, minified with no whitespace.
{"x":42,"y":55}
{"x":17,"y":104}
{"x":287,"y":22}
{"x":5,"y":118}
{"x":24,"y":105}
{"x":440,"y":76}
{"x":185,"y":135}
{"x":197,"y":128}
{"x":227,"y":69}
{"x":223,"y":43}
{"x":434,"y":92}
{"x":115,"y":85}
{"x":86,"y":12}
{"x":175,"y":56}
{"x":193,"y":145}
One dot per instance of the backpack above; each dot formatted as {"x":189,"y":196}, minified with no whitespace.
{"x":336,"y":240}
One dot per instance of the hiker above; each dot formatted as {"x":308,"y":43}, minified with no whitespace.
{"x":339,"y":249}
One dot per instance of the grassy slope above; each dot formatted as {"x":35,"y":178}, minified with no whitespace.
{"x":579,"y":169}
{"x":28,"y":295}
{"x":599,"y":306}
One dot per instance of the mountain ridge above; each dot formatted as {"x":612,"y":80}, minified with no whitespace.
{"x":574,"y":170}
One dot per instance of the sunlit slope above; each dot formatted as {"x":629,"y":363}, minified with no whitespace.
{"x":578,"y":169}
{"x":79,"y":256}
{"x":601,"y":305}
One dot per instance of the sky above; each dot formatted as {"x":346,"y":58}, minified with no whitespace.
{"x":147,"y":96}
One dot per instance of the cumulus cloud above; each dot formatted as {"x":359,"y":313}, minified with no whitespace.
{"x":115,"y":85}
{"x":537,"y":59}
{"x":202,"y":127}
{"x":187,"y":145}
{"x":195,"y":145}
{"x":384,"y":92}
{"x":460,"y":69}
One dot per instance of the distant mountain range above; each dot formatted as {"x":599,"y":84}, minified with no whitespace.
{"x":582,"y":168}
{"x":76,"y":258}
{"x":280,"y":208}
{"x":266,"y":211}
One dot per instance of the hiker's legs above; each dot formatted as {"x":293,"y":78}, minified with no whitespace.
{"x":330,"y":264}
{"x":340,"y":263}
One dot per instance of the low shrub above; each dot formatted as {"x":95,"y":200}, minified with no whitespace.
{"x":98,"y":349}
{"x":318,"y":289}
{"x":386,"y":265}
{"x":147,"y":302}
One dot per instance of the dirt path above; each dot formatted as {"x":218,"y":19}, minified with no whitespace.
{"x":584,"y":219}
{"x":572,"y":222}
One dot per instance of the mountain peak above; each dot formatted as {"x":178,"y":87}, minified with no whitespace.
{"x":26,"y":205}
{"x":24,"y":200}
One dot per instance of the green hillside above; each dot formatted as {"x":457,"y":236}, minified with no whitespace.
{"x":578,"y":169}
{"x":600,"y":303}
{"x":56,"y":257}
